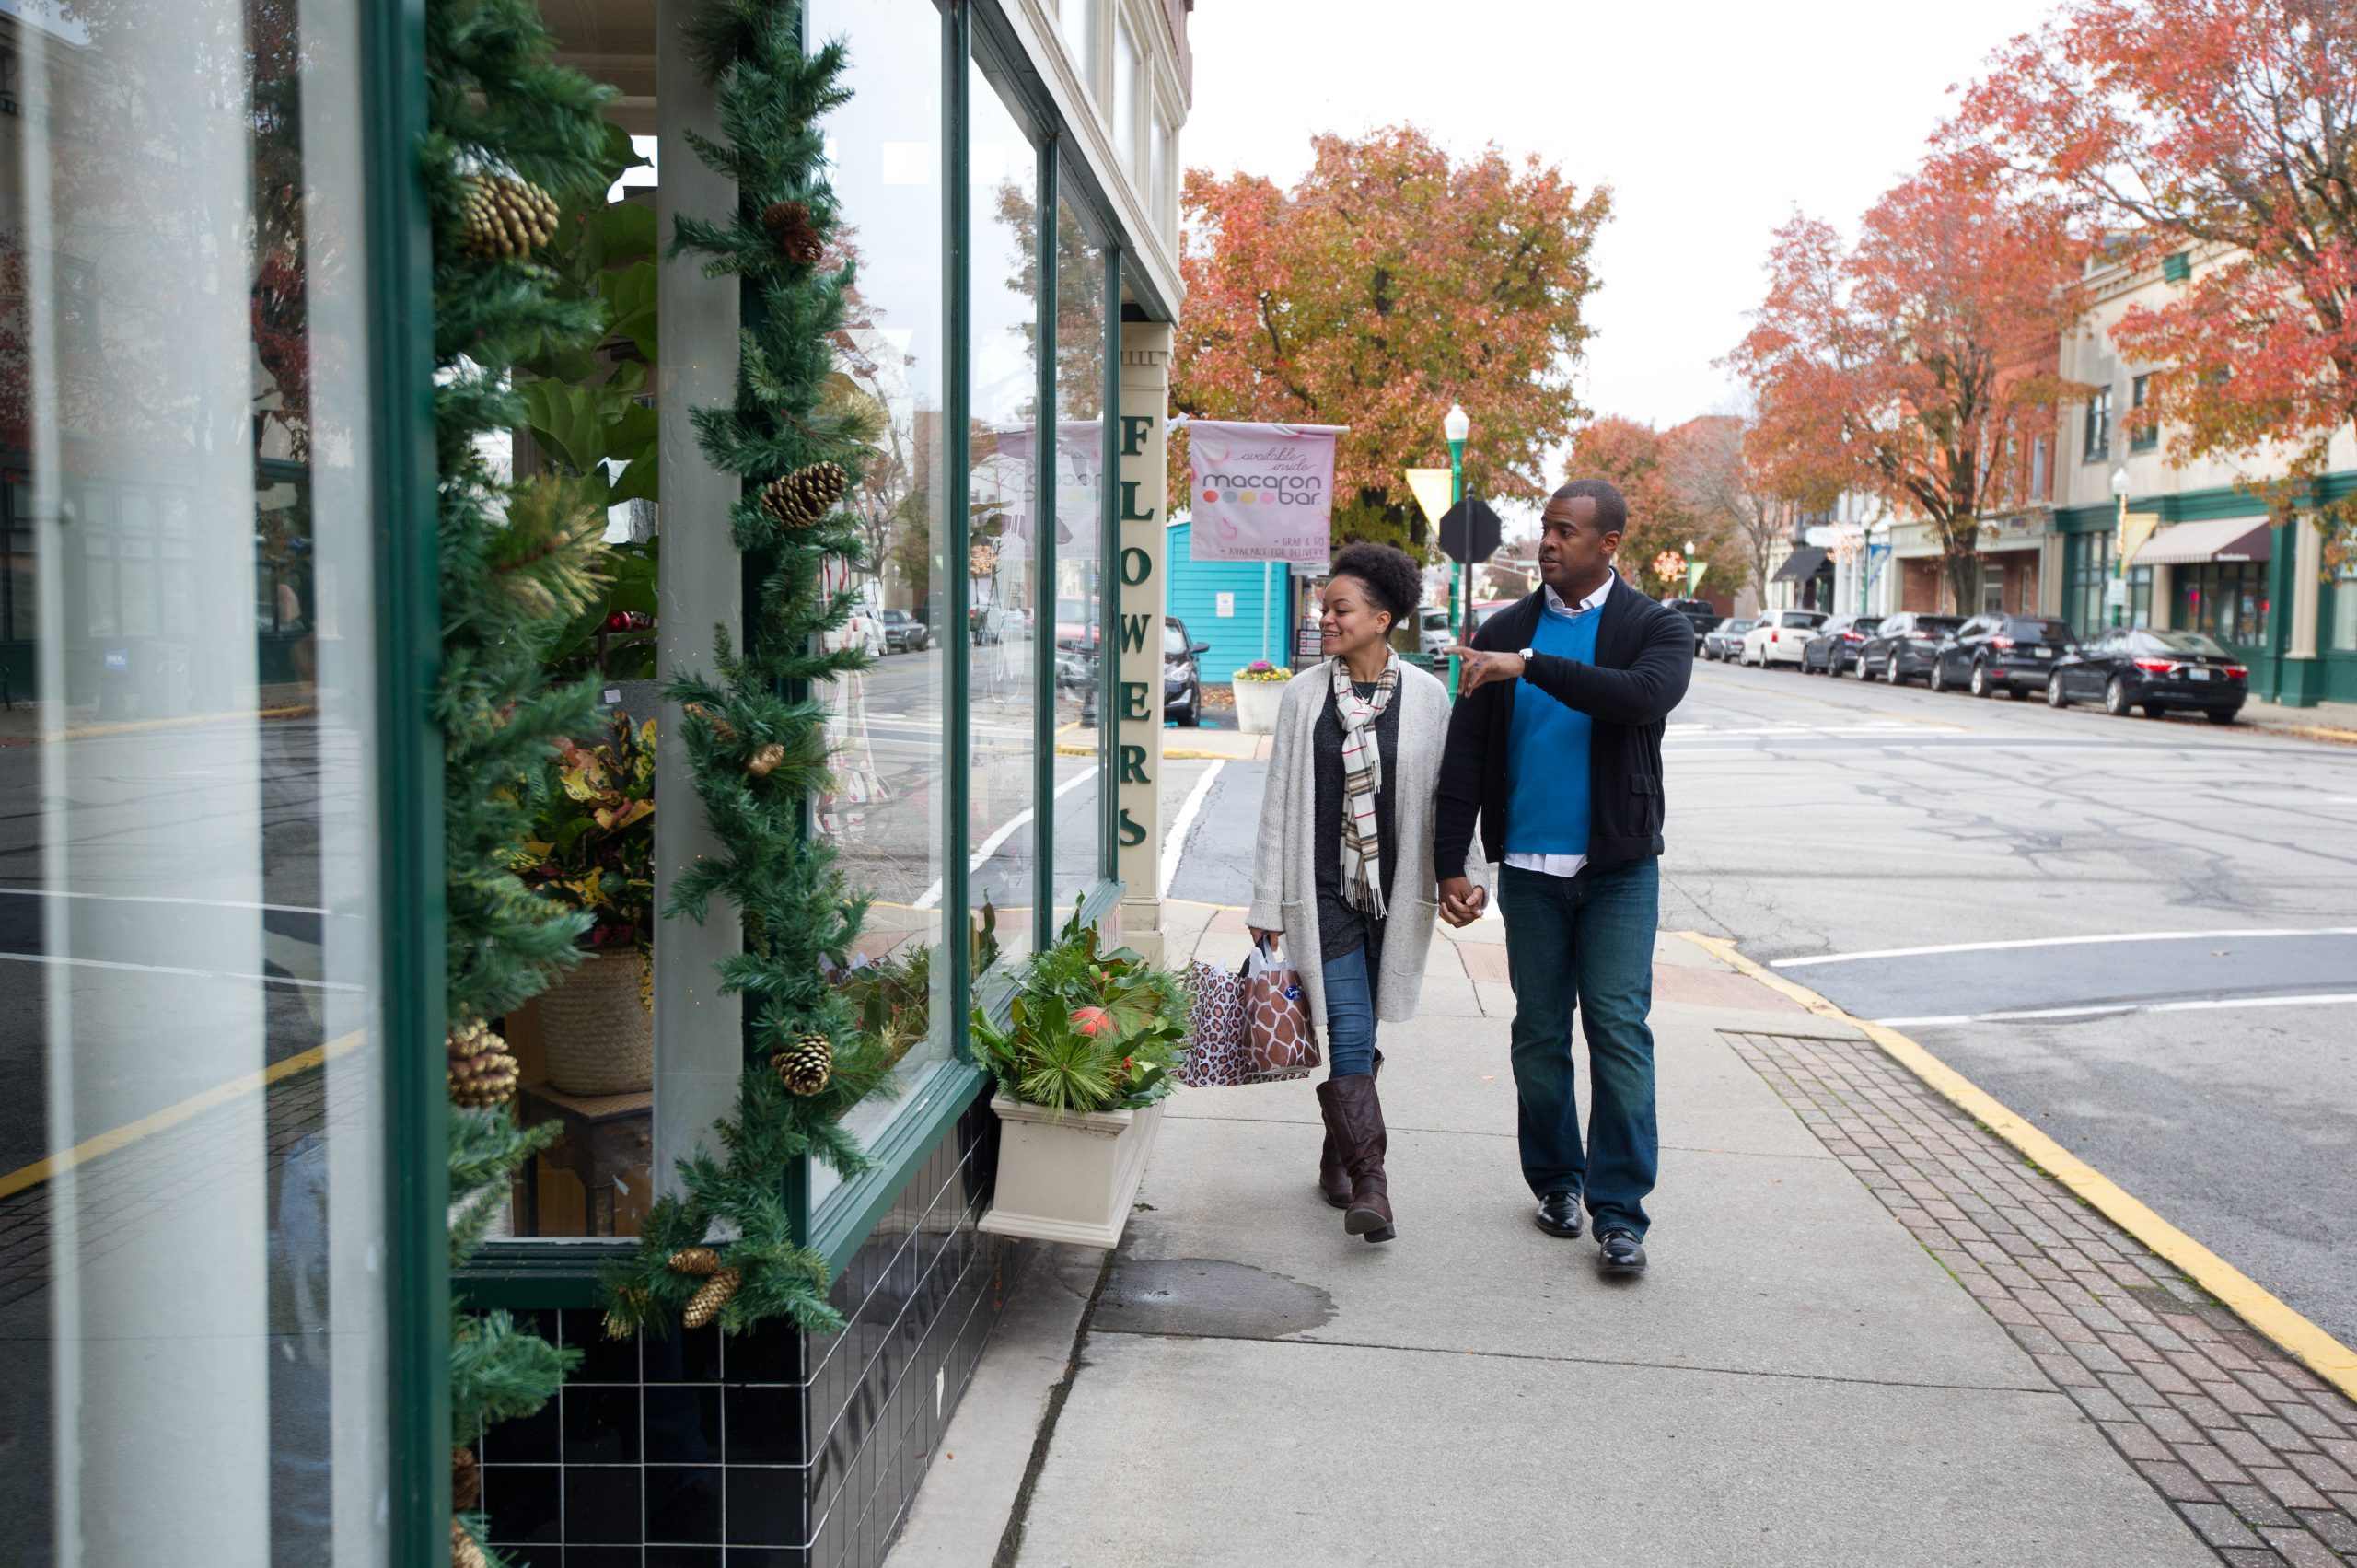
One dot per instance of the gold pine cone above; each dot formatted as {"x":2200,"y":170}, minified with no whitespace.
{"x":481,"y":1072}
{"x":765,"y":760}
{"x":504,"y":219}
{"x":464,"y":1553}
{"x":697,"y":1261}
{"x":805,"y":1066}
{"x":466,"y":1479}
{"x":710,"y":1297}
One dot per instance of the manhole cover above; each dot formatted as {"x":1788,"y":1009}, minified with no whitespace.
{"x":1207,"y":1297}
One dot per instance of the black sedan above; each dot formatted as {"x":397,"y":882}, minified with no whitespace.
{"x":2013,"y":653}
{"x":2129,"y":668}
{"x":1901,"y":647}
{"x":1725,"y":641}
{"x":1182,"y":675}
{"x":1835,"y":646}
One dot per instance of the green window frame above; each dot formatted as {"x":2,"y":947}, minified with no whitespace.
{"x":2143,"y":437}
{"x":540,"y":1273}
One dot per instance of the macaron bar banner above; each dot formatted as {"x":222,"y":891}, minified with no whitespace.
{"x":1262,"y":491}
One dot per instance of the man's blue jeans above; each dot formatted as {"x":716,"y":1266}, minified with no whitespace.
{"x":1350,"y":1015}
{"x":1585,"y":943}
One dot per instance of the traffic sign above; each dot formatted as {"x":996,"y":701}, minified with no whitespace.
{"x":1485,"y":532}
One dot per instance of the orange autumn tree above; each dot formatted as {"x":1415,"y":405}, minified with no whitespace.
{"x":1387,"y":284}
{"x":1654,"y":472}
{"x":1919,"y":365}
{"x":2229,"y":127}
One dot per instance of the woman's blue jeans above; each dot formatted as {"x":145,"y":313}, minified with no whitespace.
{"x":1350,"y":1015}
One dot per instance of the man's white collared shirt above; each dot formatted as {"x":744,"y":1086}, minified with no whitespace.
{"x":1564,"y":864}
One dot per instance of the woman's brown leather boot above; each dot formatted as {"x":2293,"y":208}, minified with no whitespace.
{"x":1333,"y":1177}
{"x":1356,"y":1115}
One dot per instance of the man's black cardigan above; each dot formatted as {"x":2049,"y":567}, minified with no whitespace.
{"x":1644,"y":656}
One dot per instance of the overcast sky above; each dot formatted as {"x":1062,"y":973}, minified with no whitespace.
{"x":1711,"y":121}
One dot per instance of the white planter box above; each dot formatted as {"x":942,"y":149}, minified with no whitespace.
{"x":1068,"y":1175}
{"x":1256,"y":706}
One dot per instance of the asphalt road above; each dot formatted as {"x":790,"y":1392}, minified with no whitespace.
{"x":2141,"y":935}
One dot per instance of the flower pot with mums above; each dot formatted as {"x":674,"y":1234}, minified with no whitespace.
{"x":593,"y":847}
{"x":1082,"y":1067}
{"x":1259,"y":687}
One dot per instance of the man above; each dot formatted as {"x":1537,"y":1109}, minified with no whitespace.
{"x":1556,"y":744}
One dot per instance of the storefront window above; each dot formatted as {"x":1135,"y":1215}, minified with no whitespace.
{"x":2225,"y":599}
{"x":1080,"y":556}
{"x":191,"y":1018}
{"x":886,"y":814}
{"x":2344,"y":612}
{"x":1008,"y":625}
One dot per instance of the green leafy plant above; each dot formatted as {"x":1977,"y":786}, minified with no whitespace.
{"x":1090,"y":1030}
{"x":592,"y":833}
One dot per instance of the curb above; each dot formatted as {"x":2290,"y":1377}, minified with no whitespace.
{"x":2253,"y":1302}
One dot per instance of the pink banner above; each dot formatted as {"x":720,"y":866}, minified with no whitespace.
{"x":1262,"y":491}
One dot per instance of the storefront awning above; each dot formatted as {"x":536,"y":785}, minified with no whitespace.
{"x":2222,"y":538}
{"x":1800,"y":565}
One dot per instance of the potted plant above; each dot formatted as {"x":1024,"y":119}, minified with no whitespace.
{"x":1081,"y":1069}
{"x":593,"y":847}
{"x":1258,"y":687}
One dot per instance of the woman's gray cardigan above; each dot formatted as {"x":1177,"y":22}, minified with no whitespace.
{"x":1284,"y":866}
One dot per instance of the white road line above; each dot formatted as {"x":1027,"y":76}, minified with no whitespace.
{"x":170,"y":969}
{"x":1811,"y":962}
{"x":1007,"y":830}
{"x":2204,"y":1004}
{"x":1174,"y":842}
{"x":157,"y":898}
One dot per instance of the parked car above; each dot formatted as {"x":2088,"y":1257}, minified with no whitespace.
{"x":1432,"y":635}
{"x":2129,"y":668}
{"x":1698,"y":613}
{"x":861,"y":630}
{"x":1725,"y":641}
{"x":1835,"y":646}
{"x":1780,"y":636}
{"x":1900,"y":649}
{"x":904,"y":633}
{"x":2013,"y":653}
{"x":1182,"y":675}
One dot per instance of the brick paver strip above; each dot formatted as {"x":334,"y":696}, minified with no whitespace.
{"x":2253,"y":1449}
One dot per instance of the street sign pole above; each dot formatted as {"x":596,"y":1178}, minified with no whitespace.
{"x":1456,"y":568}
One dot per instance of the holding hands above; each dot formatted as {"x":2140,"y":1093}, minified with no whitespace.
{"x":1460,"y":901}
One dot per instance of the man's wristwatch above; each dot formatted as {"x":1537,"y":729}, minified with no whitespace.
{"x":1525,"y":654}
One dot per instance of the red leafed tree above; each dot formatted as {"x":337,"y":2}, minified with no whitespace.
{"x":2229,"y":126}
{"x":1919,"y":364}
{"x":1388,"y":283}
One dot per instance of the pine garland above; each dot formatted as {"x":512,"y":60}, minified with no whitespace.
{"x":759,"y":749}
{"x":517,"y":562}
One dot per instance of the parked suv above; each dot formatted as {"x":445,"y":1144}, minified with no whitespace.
{"x":2153,"y":671}
{"x":1835,"y":646}
{"x":1780,"y":636}
{"x":904,"y":633}
{"x":1902,"y":645}
{"x":1699,"y":614}
{"x":2011,"y":654}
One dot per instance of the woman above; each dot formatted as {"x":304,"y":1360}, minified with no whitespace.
{"x":1344,"y":869}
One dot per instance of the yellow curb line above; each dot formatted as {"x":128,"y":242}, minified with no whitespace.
{"x":2318,"y":732}
{"x":1169,"y":756}
{"x":143,"y":726}
{"x":2319,"y":1352}
{"x":130,"y":1132}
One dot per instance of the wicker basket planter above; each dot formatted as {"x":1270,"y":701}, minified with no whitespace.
{"x":1068,"y":1175}
{"x":598,"y":1035}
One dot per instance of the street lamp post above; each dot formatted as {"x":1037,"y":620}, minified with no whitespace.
{"x":2119,"y":593}
{"x":1456,"y":427}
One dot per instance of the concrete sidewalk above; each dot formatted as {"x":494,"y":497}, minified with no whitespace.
{"x":1797,"y":1380}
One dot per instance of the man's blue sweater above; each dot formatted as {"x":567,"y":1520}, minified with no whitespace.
{"x":1546,"y":809}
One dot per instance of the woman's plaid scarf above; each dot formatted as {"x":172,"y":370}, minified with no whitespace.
{"x":1361,"y":782}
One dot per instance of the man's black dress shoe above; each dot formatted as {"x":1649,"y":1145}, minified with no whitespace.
{"x":1559,"y":1215}
{"x":1620,"y":1253}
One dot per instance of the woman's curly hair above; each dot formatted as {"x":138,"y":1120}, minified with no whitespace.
{"x":1391,"y":575}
